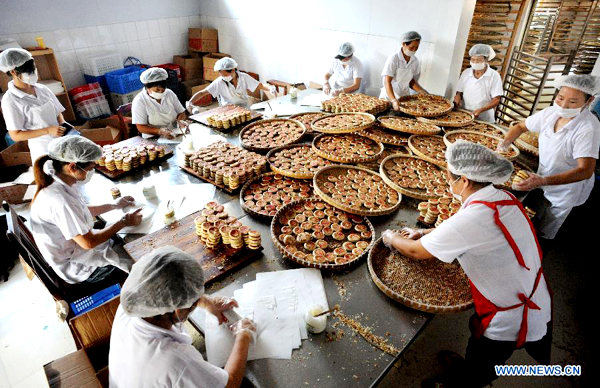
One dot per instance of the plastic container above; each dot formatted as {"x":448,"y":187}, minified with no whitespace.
{"x":101,"y":63}
{"x":93,"y":108}
{"x":125,"y":80}
{"x":82,"y":305}
{"x":314,"y":324}
{"x":172,"y":66}
{"x":95,"y":93}
{"x":123,"y":99}
{"x":101,"y":80}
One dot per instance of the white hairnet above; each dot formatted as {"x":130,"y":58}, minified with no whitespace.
{"x":74,"y":149}
{"x":477,"y":163}
{"x":226,"y":64}
{"x":162,"y":281}
{"x":410,"y":36}
{"x":482,"y":50}
{"x":346,"y":49}
{"x":587,"y":83}
{"x":12,"y":58}
{"x":153,"y":74}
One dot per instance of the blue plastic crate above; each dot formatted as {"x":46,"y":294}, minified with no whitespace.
{"x":125,"y":80}
{"x":82,"y":305}
{"x":90,"y":79}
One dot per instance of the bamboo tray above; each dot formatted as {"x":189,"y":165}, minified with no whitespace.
{"x":442,"y":121}
{"x":134,"y":142}
{"x":448,"y":139}
{"x":481,"y":127}
{"x":272,"y":175}
{"x":298,"y":174}
{"x":441,"y":278}
{"x":377,"y":132}
{"x":405,"y":125}
{"x":414,"y":193}
{"x":276,"y":226}
{"x":387,"y":151}
{"x":316,"y":123}
{"x":301,"y":117}
{"x":321,"y":177}
{"x":405,"y":105}
{"x":249,"y":127}
{"x":376,"y":147}
{"x":422,"y":154}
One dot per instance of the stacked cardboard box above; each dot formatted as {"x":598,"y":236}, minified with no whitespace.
{"x":191,"y":65}
{"x":209,"y":64}
{"x":204,"y":40}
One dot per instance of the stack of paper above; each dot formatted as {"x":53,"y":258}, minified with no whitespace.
{"x":277,"y":302}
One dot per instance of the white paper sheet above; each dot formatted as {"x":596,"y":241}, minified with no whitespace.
{"x":25,"y":178}
{"x":315,"y":99}
{"x":29,"y":194}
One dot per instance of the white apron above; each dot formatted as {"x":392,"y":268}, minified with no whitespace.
{"x":161,"y":120}
{"x":338,"y":81}
{"x":400,"y":84}
{"x":237,"y":98}
{"x":41,"y":117}
{"x":475,"y":96}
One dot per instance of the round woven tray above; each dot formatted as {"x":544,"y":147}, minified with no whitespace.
{"x":315,"y":124}
{"x":267,"y":149}
{"x":440,"y":120}
{"x":526,"y":147}
{"x":377,"y":148}
{"x":292,"y":173}
{"x":481,"y":127}
{"x":414,"y":193}
{"x":449,"y":136}
{"x":245,"y":190}
{"x":422,"y":154}
{"x":276,"y":226}
{"x":299,"y":117}
{"x":444,"y":107}
{"x":319,"y":176}
{"x":387,"y":151}
{"x":376,"y":132}
{"x":426,"y":128}
{"x":416,"y":275}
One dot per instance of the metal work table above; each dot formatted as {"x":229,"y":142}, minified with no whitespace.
{"x":351,"y":360}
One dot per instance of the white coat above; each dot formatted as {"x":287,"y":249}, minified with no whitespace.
{"x":227,"y":94}
{"x":146,"y":110}
{"x":402,"y":74}
{"x":478,"y":92}
{"x":343,"y":77}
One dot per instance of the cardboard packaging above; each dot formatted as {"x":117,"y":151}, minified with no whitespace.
{"x":191,"y":66}
{"x":72,"y":371}
{"x":16,"y":154}
{"x":194,"y":86}
{"x":208,"y":62}
{"x":203,"y":40}
{"x":102,"y":132}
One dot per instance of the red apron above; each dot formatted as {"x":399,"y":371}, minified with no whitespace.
{"x":486,"y":310}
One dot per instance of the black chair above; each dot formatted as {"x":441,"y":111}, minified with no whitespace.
{"x":22,"y":240}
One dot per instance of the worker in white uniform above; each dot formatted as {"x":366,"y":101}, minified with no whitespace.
{"x":495,"y":243}
{"x":480,"y":87}
{"x":62,"y":222}
{"x":231,"y":87}
{"x":156,"y":110}
{"x":149,"y":346}
{"x":31,"y":111}
{"x":345,"y":73}
{"x":402,"y":70}
{"x":569,"y":140}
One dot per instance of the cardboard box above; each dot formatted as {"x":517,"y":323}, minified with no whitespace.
{"x":14,"y":194}
{"x":191,"y":67}
{"x":194,"y":86}
{"x":203,"y":40}
{"x":16,"y":154}
{"x":102,"y":132}
{"x":93,"y":328}
{"x":72,"y":371}
{"x":208,"y":62}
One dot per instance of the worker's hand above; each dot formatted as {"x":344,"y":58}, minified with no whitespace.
{"x":423,"y":92}
{"x":56,"y":130}
{"x":337,"y":92}
{"x":244,"y":327}
{"x":477,"y":112}
{"x":273,"y":90}
{"x":216,"y":305}
{"x":326,"y":88}
{"x":123,"y":202}
{"x":533,"y":182}
{"x":387,"y":237}
{"x":457,"y":101}
{"x":166,"y":133}
{"x":183,"y":125}
{"x":395,"y":104}
{"x":502,"y":148}
{"x":411,"y":234}
{"x":133,"y":218}
{"x":190,"y":107}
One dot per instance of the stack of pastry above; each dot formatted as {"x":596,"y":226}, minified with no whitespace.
{"x":215,"y":226}
{"x":254,"y":240}
{"x":213,"y":237}
{"x":437,"y":210}
{"x":530,"y":212}
{"x":227,"y":163}
{"x":230,"y":118}
{"x":126,"y":158}
{"x":520,"y":176}
{"x":355,"y":103}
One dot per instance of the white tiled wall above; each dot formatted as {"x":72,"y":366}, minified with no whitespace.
{"x":152,"y":41}
{"x":295,"y":41}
